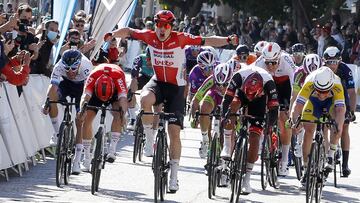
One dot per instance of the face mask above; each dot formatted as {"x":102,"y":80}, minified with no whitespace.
{"x":51,"y":35}
{"x":14,"y":34}
{"x":25,"y":21}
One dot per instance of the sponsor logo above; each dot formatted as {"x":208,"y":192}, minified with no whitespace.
{"x":121,"y":84}
{"x":308,"y":110}
{"x":163,"y":63}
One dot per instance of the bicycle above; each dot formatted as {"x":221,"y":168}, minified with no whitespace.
{"x":98,"y":161}
{"x":65,"y":146}
{"x":160,"y":163}
{"x":239,"y":157}
{"x":139,"y":138}
{"x":338,"y":155}
{"x":316,"y":174}
{"x":297,"y":160}
{"x":213,"y":159}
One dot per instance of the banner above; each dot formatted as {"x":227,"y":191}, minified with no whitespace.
{"x":107,"y":15}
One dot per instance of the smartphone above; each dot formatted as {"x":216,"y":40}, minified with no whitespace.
{"x":8,"y":36}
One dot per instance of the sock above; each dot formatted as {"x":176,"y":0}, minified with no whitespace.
{"x":86,"y":145}
{"x":114,"y":140}
{"x":345,"y":158}
{"x":55,"y":124}
{"x":132,"y":113}
{"x":205,"y":138}
{"x":174,"y":166}
{"x":285,"y":153}
{"x":78,"y":153}
{"x":249,"y":168}
{"x":227,"y":138}
{"x":332,"y":151}
{"x":300,"y":137}
{"x":149,"y":134}
{"x":155,"y":131}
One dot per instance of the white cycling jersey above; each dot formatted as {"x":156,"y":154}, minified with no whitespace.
{"x":248,"y":70}
{"x":59,"y":72}
{"x":285,"y":70}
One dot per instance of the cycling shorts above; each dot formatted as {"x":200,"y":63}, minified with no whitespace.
{"x":142,"y":80}
{"x":213,"y":98}
{"x":172,"y":96}
{"x":314,"y":108}
{"x":71,"y":89}
{"x":284,"y":95}
{"x":95,"y":101}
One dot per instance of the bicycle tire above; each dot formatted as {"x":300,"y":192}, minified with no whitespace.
{"x":60,"y":157}
{"x":157,"y":168}
{"x":136,"y":139}
{"x":164,"y":167}
{"x":67,"y":162}
{"x":96,"y":163}
{"x":297,"y":160}
{"x":141,"y":146}
{"x":242,"y":148}
{"x":211,"y":164}
{"x":265,"y":163}
{"x":320,"y":179}
{"x":71,"y":150}
{"x":312,"y":173}
{"x":234,"y":175}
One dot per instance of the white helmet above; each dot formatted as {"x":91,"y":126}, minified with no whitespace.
{"x":235,"y":65}
{"x":212,"y":50}
{"x":312,"y":62}
{"x":259,"y":46}
{"x":206,"y":59}
{"x":222,"y":73}
{"x":271,"y":51}
{"x":332,"y":53}
{"x":324,"y":79}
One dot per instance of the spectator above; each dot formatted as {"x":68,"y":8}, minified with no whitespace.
{"x":25,"y":16}
{"x":113,"y":54}
{"x":79,"y":24}
{"x":181,"y":27}
{"x":245,"y":38}
{"x":149,"y":25}
{"x":9,"y":8}
{"x":193,"y":28}
{"x":337,"y":35}
{"x":137,"y":24}
{"x":328,"y":39}
{"x":219,"y":27}
{"x":292,"y":36}
{"x":235,"y":27}
{"x":319,"y":37}
{"x":2,"y":8}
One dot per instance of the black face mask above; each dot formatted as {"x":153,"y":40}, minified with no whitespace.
{"x":74,"y":43}
{"x":26,"y":22}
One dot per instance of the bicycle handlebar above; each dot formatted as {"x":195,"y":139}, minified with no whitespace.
{"x":102,"y":108}
{"x":330,"y":122}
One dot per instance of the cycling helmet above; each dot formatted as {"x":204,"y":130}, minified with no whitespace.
{"x":332,"y":53}
{"x":164,"y":16}
{"x":324,"y":79}
{"x":235,"y":65}
{"x":259,"y":46}
{"x":104,"y":87}
{"x":222,"y":73}
{"x":311,"y":62}
{"x":253,"y":86}
{"x":206,"y":59}
{"x":212,"y":50}
{"x":242,"y":50}
{"x":71,"y":58}
{"x":271,"y":51}
{"x":298,"y":48}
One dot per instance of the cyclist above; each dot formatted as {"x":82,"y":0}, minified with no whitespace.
{"x":298,"y":53}
{"x":204,"y":68}
{"x":108,"y":83}
{"x":311,"y":62}
{"x":281,"y":66}
{"x":332,"y":59}
{"x":67,"y":79}
{"x":259,"y":47}
{"x":322,"y":89}
{"x":167,"y":56}
{"x":255,"y":88}
{"x":209,"y":96}
{"x":191,"y":53}
{"x":141,"y":74}
{"x":243,"y":55}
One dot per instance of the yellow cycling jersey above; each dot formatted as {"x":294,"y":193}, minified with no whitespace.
{"x":308,"y":90}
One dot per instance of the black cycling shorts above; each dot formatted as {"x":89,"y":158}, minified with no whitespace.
{"x":71,"y":89}
{"x":142,"y":81}
{"x":172,"y":96}
{"x":95,"y":101}
{"x":284,"y":95}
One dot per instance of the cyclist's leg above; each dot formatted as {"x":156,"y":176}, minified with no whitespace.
{"x":337,"y":113}
{"x":206,"y":106}
{"x":345,"y":146}
{"x":54,"y":95}
{"x":307,"y":114}
{"x":150,"y":95}
{"x":133,"y":88}
{"x":255,"y":108}
{"x":156,"y":108}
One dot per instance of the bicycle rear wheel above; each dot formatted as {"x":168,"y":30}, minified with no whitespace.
{"x":297,"y":160}
{"x":138,"y":136}
{"x":312,"y":173}
{"x":211,"y":166}
{"x":157,"y":167}
{"x":240,"y":158}
{"x":68,"y":148}
{"x":97,"y":162}
{"x":265,"y":163}
{"x":60,"y":158}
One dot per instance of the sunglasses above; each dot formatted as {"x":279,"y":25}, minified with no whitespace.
{"x":298,"y":54}
{"x":72,"y":68}
{"x":243,"y":57}
{"x":79,"y":25}
{"x":272,"y":63}
{"x":332,"y":62}
{"x":163,"y":25}
{"x":322,"y":92}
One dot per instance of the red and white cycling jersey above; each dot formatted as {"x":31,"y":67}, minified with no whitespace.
{"x":168,"y":57}
{"x":285,"y":70}
{"x":115,"y":73}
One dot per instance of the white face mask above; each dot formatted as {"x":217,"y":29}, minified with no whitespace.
{"x":14,"y":34}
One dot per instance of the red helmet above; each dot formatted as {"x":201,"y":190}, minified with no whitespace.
{"x":253,"y":86}
{"x":104,"y":87}
{"x":164,"y":16}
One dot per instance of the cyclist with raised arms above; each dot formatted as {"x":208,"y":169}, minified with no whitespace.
{"x":67,"y":79}
{"x":207,"y":98}
{"x":255,"y":88}
{"x":322,"y":89}
{"x":281,"y":66}
{"x":141,"y":74}
{"x":168,"y":59}
{"x":332,"y":59}
{"x":105,"y":85}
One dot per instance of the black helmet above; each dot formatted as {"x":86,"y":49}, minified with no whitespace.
{"x":71,"y":57}
{"x":298,"y":47}
{"x":242,"y":49}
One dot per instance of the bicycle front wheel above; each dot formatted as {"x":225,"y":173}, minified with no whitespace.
{"x":240,"y":170}
{"x":265,"y":163}
{"x":60,"y":156}
{"x":297,"y":160}
{"x":138,"y":136}
{"x":312,"y":173}
{"x":97,"y":162}
{"x":68,"y":149}
{"x":211,"y":166}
